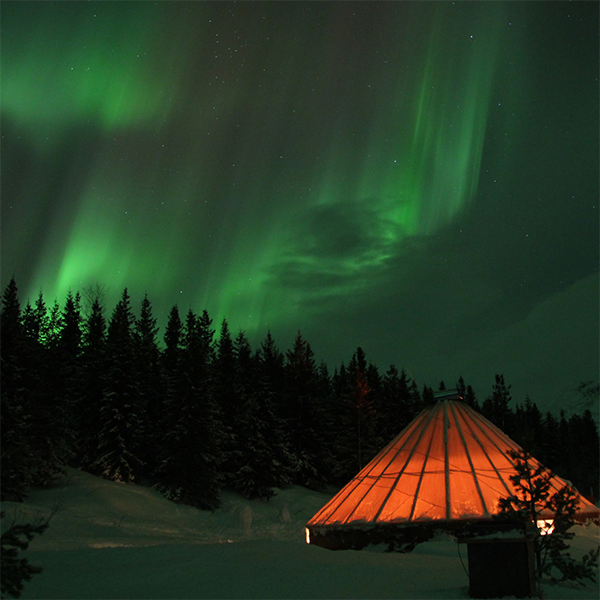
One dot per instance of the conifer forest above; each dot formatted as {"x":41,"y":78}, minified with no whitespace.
{"x":196,"y":409}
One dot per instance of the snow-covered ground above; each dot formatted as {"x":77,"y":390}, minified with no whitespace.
{"x":109,"y":540}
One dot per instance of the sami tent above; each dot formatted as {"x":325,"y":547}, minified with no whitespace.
{"x":448,"y":468}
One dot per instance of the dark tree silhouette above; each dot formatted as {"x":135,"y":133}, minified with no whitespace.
{"x":15,"y":570}
{"x":16,"y":453}
{"x":531,"y":499}
{"x":121,"y":412}
{"x":151,"y":387}
{"x":91,"y":387}
{"x":358,"y":442}
{"x":188,"y":467}
{"x":399,"y":407}
{"x":304,"y":415}
{"x":205,"y":414}
{"x":496,"y":407}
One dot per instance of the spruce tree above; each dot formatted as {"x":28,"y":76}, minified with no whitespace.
{"x":90,"y":386}
{"x":15,"y":569}
{"x":29,"y":412}
{"x":532,"y":499}
{"x":35,"y":320}
{"x":10,"y":318}
{"x":470,"y":398}
{"x":398,"y":408}
{"x":358,"y":441}
{"x":68,"y":364}
{"x":304,"y":415}
{"x":15,"y":440}
{"x":188,"y":469}
{"x":256,"y":427}
{"x":550,"y":446}
{"x":121,"y":412}
{"x":327,"y":421}
{"x":496,"y":407}
{"x":70,"y":329}
{"x":271,"y":386}
{"x":171,"y":367}
{"x":150,"y":382}
{"x":527,"y":427}
{"x":227,"y":402}
{"x":582,"y":463}
{"x":48,"y":428}
{"x":461,"y":387}
{"x":173,"y":342}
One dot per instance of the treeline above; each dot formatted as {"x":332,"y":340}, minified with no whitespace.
{"x":202,"y":412}
{"x":568,"y":446}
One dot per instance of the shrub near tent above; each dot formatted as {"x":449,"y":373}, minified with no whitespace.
{"x":447,"y":470}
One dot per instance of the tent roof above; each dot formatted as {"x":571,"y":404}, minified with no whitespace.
{"x":450,"y":463}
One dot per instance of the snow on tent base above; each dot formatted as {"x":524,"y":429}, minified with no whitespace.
{"x":446,"y":471}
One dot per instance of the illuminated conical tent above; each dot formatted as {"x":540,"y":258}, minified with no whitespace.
{"x":448,"y":468}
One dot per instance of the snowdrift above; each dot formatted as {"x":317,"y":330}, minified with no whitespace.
{"x":109,"y":540}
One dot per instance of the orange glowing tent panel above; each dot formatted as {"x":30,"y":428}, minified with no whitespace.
{"x":449,"y":464}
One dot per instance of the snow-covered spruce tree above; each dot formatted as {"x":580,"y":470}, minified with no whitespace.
{"x":228,"y":402}
{"x":583,"y":462}
{"x":150,"y":382}
{"x":304,"y":416}
{"x":467,"y":394}
{"x":90,"y":387}
{"x":188,"y":470}
{"x":167,"y":417}
{"x":16,"y":455}
{"x":534,"y":498}
{"x":357,"y":417}
{"x":270,"y":399}
{"x":45,"y":406}
{"x":496,"y":407}
{"x":171,"y":355}
{"x":397,"y":409}
{"x":15,"y":570}
{"x":121,"y":412}
{"x":15,"y":443}
{"x":66,"y":361}
{"x":550,"y":452}
{"x":256,"y":427}
{"x":528,"y":427}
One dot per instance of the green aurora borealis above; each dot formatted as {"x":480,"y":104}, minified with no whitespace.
{"x":420,"y":179}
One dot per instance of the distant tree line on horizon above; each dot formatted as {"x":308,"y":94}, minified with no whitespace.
{"x":202,"y":413}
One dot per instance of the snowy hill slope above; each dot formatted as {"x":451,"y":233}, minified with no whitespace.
{"x":109,"y":540}
{"x":96,"y":513}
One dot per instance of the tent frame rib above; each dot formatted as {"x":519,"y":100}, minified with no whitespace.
{"x":383,"y":455}
{"x":468,"y":454}
{"x":483,"y":448}
{"x":422,"y":430}
{"x":393,"y":501}
{"x":347,"y":490}
{"x":425,"y":459}
{"x":446,"y":461}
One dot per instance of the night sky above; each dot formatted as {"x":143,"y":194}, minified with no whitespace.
{"x":418,"y":179}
